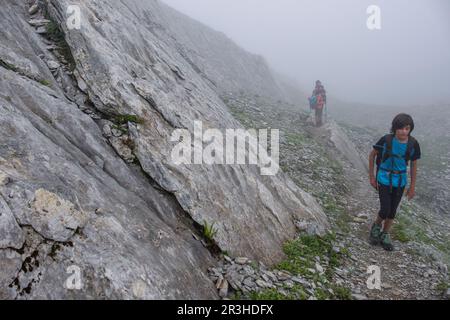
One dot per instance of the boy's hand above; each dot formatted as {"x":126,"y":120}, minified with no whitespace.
{"x":411,"y":193}
{"x":373,"y":182}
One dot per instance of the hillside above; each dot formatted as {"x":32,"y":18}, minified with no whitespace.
{"x":87,"y":179}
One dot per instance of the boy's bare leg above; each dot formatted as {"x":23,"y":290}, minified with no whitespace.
{"x":388,"y":224}
{"x":379,"y":220}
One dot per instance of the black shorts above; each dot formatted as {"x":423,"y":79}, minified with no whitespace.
{"x":389,"y":201}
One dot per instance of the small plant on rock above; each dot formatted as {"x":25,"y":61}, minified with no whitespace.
{"x":209,"y":231}
{"x":45,"y":82}
{"x":125,"y":118}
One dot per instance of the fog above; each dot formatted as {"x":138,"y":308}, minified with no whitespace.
{"x":406,"y":62}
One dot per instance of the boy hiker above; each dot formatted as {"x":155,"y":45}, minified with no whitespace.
{"x":392,"y":152}
{"x":317,"y":101}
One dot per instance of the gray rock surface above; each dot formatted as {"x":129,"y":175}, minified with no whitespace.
{"x":346,"y":147}
{"x":69,"y":199}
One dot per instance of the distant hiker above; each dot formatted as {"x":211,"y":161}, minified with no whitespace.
{"x":393,"y":152}
{"x":317,"y":101}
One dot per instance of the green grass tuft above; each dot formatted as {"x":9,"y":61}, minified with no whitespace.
{"x":295,"y":293}
{"x":302,"y":252}
{"x":399,"y":232}
{"x":209,"y":231}
{"x":442,"y":287}
{"x":45,"y":82}
{"x":125,"y":118}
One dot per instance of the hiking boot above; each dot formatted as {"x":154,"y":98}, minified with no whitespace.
{"x":375,"y":234}
{"x":386,"y":241}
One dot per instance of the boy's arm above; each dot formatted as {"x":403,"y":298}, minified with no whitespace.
{"x":372,"y":156}
{"x":412,"y":188}
{"x":371,"y":161}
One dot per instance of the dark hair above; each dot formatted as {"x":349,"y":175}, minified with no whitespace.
{"x":402,"y":120}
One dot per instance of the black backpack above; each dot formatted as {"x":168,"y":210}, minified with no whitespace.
{"x":386,"y":154}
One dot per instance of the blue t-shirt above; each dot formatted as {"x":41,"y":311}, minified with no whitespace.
{"x":399,"y":164}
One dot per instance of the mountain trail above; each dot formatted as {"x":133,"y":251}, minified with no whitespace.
{"x":403,"y":273}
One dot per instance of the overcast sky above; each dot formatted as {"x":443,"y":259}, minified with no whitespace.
{"x":406,"y":62}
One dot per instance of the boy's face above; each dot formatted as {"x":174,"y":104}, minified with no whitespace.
{"x":403,"y":133}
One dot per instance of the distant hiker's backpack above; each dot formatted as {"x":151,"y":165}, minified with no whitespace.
{"x":387,"y":154}
{"x":312,"y":102}
{"x":319,"y":103}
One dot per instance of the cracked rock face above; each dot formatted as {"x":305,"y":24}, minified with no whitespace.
{"x":69,"y":198}
{"x":11,"y":234}
{"x":54,"y":217}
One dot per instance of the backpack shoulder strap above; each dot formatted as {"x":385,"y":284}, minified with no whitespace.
{"x":411,"y":143}
{"x":387,"y":153}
